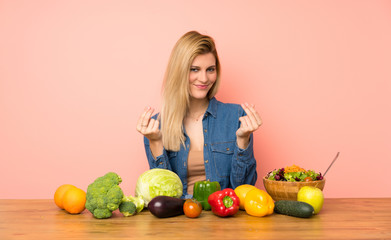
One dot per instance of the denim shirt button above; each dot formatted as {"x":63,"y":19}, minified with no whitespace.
{"x":205,"y":130}
{"x":206,"y":161}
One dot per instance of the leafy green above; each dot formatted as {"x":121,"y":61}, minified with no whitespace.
{"x":158,"y":182}
{"x":281,"y":175}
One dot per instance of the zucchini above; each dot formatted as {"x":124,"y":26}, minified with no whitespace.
{"x":294,"y":208}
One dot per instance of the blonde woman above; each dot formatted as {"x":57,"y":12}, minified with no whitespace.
{"x":195,"y":135}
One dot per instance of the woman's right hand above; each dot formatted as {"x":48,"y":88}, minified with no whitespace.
{"x":148,"y":126}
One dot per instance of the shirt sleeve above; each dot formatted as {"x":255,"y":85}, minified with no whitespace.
{"x":244,"y":165}
{"x":158,"y":162}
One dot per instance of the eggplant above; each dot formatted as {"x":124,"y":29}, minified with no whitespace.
{"x":164,"y":206}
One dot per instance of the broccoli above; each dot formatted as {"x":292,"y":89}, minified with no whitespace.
{"x":127,"y":208}
{"x":128,"y":202}
{"x":104,"y":195}
{"x":138,"y":201}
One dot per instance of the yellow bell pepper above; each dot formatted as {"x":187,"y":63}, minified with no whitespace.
{"x":258,"y":203}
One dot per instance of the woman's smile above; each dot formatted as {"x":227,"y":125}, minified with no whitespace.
{"x":202,"y":75}
{"x":202,"y":87}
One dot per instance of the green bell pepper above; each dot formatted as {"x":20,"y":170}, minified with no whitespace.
{"x":202,"y":190}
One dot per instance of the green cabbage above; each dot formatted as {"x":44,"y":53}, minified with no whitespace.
{"x":158,"y":182}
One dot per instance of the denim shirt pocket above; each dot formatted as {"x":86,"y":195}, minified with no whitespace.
{"x":222,"y":154}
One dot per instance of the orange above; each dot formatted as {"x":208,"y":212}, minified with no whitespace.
{"x":59,"y":194}
{"x":74,"y":200}
{"x":241,"y":192}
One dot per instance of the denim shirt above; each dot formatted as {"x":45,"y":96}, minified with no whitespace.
{"x":224,"y":161}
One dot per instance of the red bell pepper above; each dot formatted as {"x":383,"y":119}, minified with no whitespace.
{"x":224,"y":203}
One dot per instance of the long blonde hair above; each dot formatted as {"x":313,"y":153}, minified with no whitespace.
{"x":176,"y":86}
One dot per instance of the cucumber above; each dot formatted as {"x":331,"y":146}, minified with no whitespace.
{"x":294,"y":208}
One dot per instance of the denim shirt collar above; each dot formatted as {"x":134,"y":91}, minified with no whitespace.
{"x":212,"y":108}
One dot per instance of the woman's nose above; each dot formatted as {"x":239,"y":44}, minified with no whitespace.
{"x":203,"y":77}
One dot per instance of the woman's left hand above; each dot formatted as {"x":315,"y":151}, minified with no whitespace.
{"x":249,"y":124}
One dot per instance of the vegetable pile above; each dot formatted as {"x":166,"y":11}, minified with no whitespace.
{"x":294,"y":174}
{"x":104,"y":196}
{"x":161,"y":190}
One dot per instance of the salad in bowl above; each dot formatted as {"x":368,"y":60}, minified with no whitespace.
{"x":294,"y":174}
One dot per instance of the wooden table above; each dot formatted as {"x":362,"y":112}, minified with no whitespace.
{"x":339,"y":219}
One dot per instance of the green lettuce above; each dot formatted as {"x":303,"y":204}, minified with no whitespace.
{"x":158,"y":182}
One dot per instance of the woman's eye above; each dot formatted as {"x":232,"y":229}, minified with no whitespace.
{"x":194,"y":69}
{"x":211,"y":69}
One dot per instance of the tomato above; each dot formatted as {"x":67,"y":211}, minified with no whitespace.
{"x":308,"y":179}
{"x":192,"y":208}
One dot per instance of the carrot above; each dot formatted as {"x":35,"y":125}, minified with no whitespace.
{"x":294,"y":168}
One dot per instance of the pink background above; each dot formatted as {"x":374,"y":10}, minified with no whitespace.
{"x":75,"y":76}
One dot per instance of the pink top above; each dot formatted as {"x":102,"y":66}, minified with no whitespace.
{"x":195,"y":169}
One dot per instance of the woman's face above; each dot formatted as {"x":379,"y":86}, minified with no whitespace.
{"x":202,"y":75}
